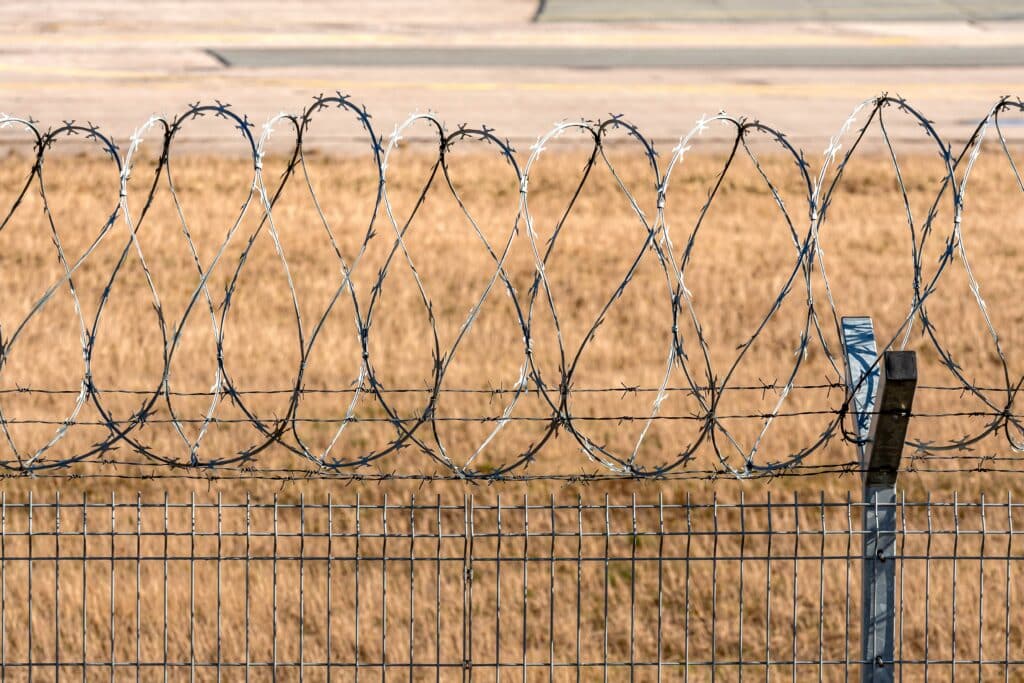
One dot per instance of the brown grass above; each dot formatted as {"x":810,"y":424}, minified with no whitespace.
{"x":741,"y":257}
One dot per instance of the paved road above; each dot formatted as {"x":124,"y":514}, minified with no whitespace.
{"x":780,"y":10}
{"x":772,"y":56}
{"x":486,"y":61}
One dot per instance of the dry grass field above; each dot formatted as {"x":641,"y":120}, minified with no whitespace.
{"x":741,"y":257}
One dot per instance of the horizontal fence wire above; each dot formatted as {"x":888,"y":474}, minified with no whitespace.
{"x":514,"y":588}
{"x":103,"y":441}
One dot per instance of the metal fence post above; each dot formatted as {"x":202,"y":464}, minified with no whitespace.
{"x":888,"y":396}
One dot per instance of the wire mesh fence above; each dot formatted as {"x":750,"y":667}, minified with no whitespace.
{"x":511,"y":588}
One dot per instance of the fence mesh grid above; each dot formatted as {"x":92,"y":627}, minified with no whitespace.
{"x":512,"y":589}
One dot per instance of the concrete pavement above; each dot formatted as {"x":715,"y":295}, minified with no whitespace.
{"x":780,"y":10}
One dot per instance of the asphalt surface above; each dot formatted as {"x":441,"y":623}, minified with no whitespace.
{"x":489,"y":62}
{"x":779,"y":10}
{"x":774,"y":56}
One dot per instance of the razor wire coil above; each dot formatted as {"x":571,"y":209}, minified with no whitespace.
{"x":418,"y":431}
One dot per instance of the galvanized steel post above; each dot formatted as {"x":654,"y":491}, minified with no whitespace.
{"x":883,"y":398}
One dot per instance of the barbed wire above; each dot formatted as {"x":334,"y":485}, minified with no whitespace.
{"x":687,"y":355}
